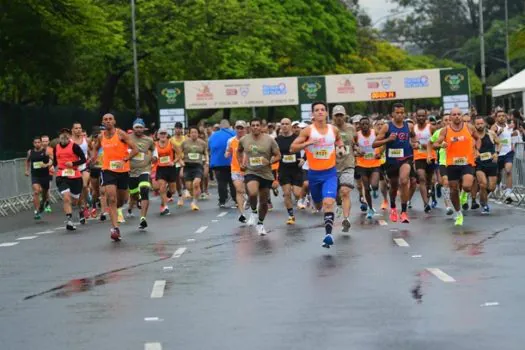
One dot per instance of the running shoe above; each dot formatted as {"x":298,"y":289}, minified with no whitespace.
{"x":203,"y":196}
{"x":37,"y":215}
{"x":459,"y":220}
{"x":261,"y":230}
{"x":86,"y":212}
{"x":450,"y":211}
{"x":370,"y":214}
{"x":222,"y":205}
{"x":242,"y":219}
{"x":384,"y":205}
{"x":409,"y":203}
{"x":404,"y":218}
{"x":48,"y":209}
{"x":300,"y":204}
{"x":41,"y":207}
{"x":485,"y":210}
{"x":103,"y":216}
{"x":180,"y":202}
{"x":143,"y":223}
{"x":253,"y":219}
{"x":164,"y":211}
{"x":130,"y":214}
{"x":434,"y":204}
{"x":120,"y":216}
{"x":70,"y":226}
{"x":508,"y":200}
{"x":474,"y":205}
{"x":346,"y":225}
{"x":194,"y":207}
{"x":374,"y":194}
{"x":291,"y":220}
{"x":270,"y":206}
{"x":115,"y":234}
{"x":139,"y":203}
{"x":364,"y":207}
{"x":328,"y":241}
{"x":82,"y":220}
{"x":187,"y":194}
{"x":438,"y":190}
{"x":275,"y":192}
{"x":427,"y":209}
{"x":94,"y":213}
{"x":393,"y":215}
{"x":170,"y":200}
{"x":463,"y":200}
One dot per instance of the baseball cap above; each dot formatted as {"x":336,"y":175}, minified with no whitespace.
{"x":163,"y":130}
{"x":303,"y":125}
{"x":139,"y":122}
{"x":356,"y":118}
{"x":178,"y":125}
{"x":295,"y":123}
{"x":338,"y":110}
{"x":240,"y":123}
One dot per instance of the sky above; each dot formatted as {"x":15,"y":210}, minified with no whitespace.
{"x":376,"y":8}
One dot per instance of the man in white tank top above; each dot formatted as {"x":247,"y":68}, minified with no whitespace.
{"x":79,"y":138}
{"x":506,"y":155}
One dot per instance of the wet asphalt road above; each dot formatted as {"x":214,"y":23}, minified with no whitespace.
{"x":426,"y":285}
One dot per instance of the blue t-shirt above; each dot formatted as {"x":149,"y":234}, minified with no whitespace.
{"x":217,"y":144}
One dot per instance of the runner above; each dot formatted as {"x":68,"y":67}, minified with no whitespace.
{"x":115,"y":168}
{"x":98,"y":194}
{"x":486,"y":162}
{"x":368,"y":161}
{"x":236,"y":173}
{"x":79,"y":138}
{"x":45,"y":193}
{"x":506,"y":155}
{"x":345,"y":163}
{"x":425,"y":161}
{"x":176,"y":140}
{"x":290,"y":174}
{"x":195,"y":159}
{"x":383,"y":185}
{"x":67,"y":157}
{"x":459,"y":139}
{"x":37,"y":164}
{"x":257,"y":151}
{"x":396,"y":135}
{"x":319,"y":141}
{"x":166,"y":169}
{"x":140,"y":170}
{"x":442,"y":170}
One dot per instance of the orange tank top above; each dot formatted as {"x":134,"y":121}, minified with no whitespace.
{"x":460,"y":146}
{"x":234,"y":145}
{"x":368,"y":160}
{"x":114,"y":152}
{"x":321,"y":155}
{"x":166,"y":154}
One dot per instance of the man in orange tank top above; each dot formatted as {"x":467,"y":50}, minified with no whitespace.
{"x":321,"y":142}
{"x":115,"y":168}
{"x":459,"y":139}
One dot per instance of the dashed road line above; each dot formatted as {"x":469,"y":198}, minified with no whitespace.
{"x":8,"y":244}
{"x":215,"y":220}
{"x":441,"y":275}
{"x":158,"y":289}
{"x":152,"y":319}
{"x":401,"y":242}
{"x":201,"y":229}
{"x":382,"y":222}
{"x":60,"y":228}
{"x":167,"y":268}
{"x":222,"y":214}
{"x":44,"y":232}
{"x":152,"y":346}
{"x":26,"y":238}
{"x":178,"y":253}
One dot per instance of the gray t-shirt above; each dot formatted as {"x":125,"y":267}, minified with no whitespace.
{"x":347,"y":133}
{"x":264,"y":147}
{"x":141,"y":163}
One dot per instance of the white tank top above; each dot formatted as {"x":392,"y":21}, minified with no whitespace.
{"x":325,"y":142}
{"x":505,"y":138}
{"x":84,"y":147}
{"x":365,"y":143}
{"x":423,"y":136}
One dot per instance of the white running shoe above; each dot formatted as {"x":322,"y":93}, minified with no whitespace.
{"x":261,"y":230}
{"x":253,"y":219}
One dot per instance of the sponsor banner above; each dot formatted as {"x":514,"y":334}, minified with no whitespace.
{"x":170,"y":95}
{"x":455,"y":89}
{"x":399,"y":85}
{"x":241,"y":93}
{"x":311,"y":89}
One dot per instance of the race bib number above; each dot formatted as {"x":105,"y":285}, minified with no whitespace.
{"x":396,"y":153}
{"x":116,"y":165}
{"x":38,"y":165}
{"x":321,"y":154}
{"x":256,"y":161}
{"x":139,"y":156}
{"x":485,"y":156}
{"x":459,"y":161}
{"x":194,"y":156}
{"x":504,"y":141}
{"x":289,"y":158}
{"x":67,"y":173}
{"x":164,"y":160}
{"x":369,"y":156}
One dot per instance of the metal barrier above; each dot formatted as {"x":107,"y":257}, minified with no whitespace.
{"x":518,"y":173}
{"x":16,"y":194}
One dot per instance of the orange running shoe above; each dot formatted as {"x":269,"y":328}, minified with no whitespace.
{"x":384,"y":205}
{"x":393,"y":215}
{"x":404,"y":218}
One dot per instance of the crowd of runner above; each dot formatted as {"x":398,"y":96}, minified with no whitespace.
{"x":316,"y":164}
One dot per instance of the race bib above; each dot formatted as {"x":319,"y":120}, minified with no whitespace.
{"x":369,"y":156}
{"x":289,"y":158}
{"x":459,"y":160}
{"x":194,"y":156}
{"x":164,"y":160}
{"x":485,"y":156}
{"x":177,"y":165}
{"x":256,"y":161}
{"x":321,"y":154}
{"x":38,"y":165}
{"x":396,"y":153}
{"x":67,"y":173}
{"x":139,"y":156}
{"x":116,"y":165}
{"x":504,"y":141}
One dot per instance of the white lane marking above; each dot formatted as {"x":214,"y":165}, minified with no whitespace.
{"x":222,"y":214}
{"x":152,"y":346}
{"x":44,"y":232}
{"x":190,"y":240}
{"x":26,"y":238}
{"x":490,"y":303}
{"x":167,"y":268}
{"x":382,"y":222}
{"x":8,"y":244}
{"x":401,"y":242}
{"x":215,"y":221}
{"x":178,"y":253}
{"x":441,"y":275}
{"x":150,"y":319}
{"x":201,"y":229}
{"x":417,"y":256}
{"x":158,"y":289}
{"x":59,"y":228}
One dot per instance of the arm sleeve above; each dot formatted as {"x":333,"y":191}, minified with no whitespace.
{"x":78,"y":151}
{"x":55,"y":163}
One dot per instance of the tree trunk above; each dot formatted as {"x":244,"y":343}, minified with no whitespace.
{"x":107,"y":95}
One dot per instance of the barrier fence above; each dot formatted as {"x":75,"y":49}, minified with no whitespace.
{"x":15,"y":188}
{"x":16,"y":194}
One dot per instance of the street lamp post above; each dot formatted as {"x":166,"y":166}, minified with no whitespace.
{"x":507,"y":49}
{"x":482,"y":60}
{"x":135,"y":63}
